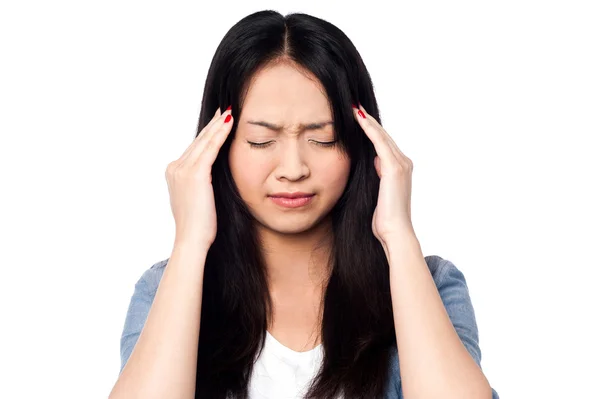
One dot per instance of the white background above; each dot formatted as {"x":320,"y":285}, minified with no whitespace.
{"x":497,"y":104}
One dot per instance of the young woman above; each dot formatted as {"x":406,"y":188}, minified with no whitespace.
{"x":296,"y":271}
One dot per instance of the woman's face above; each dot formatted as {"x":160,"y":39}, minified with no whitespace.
{"x":296,"y":113}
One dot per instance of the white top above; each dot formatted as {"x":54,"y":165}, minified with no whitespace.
{"x":282,"y":373}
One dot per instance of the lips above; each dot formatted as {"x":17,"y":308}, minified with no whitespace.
{"x":291,"y":195}
{"x":297,"y":199}
{"x":297,"y":202}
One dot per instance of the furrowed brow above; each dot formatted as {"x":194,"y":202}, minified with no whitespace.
{"x":309,"y":126}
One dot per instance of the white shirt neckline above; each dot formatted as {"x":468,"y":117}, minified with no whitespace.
{"x":290,"y":353}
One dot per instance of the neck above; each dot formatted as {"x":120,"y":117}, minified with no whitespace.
{"x":297,"y":264}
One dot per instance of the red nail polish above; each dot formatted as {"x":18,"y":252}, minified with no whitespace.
{"x":228,"y":108}
{"x":361,"y":113}
{"x":227,"y":118}
{"x":354,"y":106}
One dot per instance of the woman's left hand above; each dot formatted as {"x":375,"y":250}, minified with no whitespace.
{"x":392,"y":215}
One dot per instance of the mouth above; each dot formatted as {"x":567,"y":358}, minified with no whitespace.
{"x":296,"y":202}
{"x":297,"y":194}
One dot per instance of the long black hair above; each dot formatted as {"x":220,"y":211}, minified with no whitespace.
{"x":357,"y":321}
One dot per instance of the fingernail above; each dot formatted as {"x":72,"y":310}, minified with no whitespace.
{"x":228,"y":108}
{"x":354,"y":106}
{"x":361,"y":113}
{"x":227,"y":118}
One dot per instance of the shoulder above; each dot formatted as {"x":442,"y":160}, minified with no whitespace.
{"x":441,"y":269}
{"x":151,"y":277}
{"x":448,"y":278}
{"x":139,"y":306}
{"x":453,"y":291}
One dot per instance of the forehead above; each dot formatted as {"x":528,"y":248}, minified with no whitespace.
{"x":285,"y":94}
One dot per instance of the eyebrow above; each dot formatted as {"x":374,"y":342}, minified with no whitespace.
{"x":302,"y":126}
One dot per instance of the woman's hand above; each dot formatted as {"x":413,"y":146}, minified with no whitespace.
{"x":190,"y":183}
{"x":392,"y":215}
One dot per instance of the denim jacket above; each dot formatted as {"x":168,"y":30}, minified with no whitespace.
{"x":449,"y":281}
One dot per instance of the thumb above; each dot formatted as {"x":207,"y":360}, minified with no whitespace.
{"x":377,"y":163}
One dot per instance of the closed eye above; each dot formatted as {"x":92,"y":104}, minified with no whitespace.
{"x":259,"y":145}
{"x":268,"y":143}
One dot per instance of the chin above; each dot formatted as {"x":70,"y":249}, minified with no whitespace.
{"x":287,"y":223}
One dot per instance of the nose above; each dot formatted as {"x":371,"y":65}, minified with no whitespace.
{"x":292,"y":164}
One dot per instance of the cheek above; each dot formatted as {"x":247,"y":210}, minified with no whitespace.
{"x":246,"y":172}
{"x":335,"y":175}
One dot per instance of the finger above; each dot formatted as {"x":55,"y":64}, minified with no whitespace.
{"x":200,"y":141}
{"x":401,"y":157}
{"x":405,"y":161}
{"x":377,"y":162}
{"x":208,"y":126}
{"x":214,"y":118}
{"x":379,"y":140}
{"x":209,"y":146}
{"x":399,"y":154}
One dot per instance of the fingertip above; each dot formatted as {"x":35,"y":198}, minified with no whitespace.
{"x":361,"y":108}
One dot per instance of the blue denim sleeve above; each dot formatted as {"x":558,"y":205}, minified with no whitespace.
{"x":454,"y":293}
{"x":139,"y":306}
{"x":453,"y":290}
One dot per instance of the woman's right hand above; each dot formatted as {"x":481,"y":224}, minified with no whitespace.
{"x":190,"y":184}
